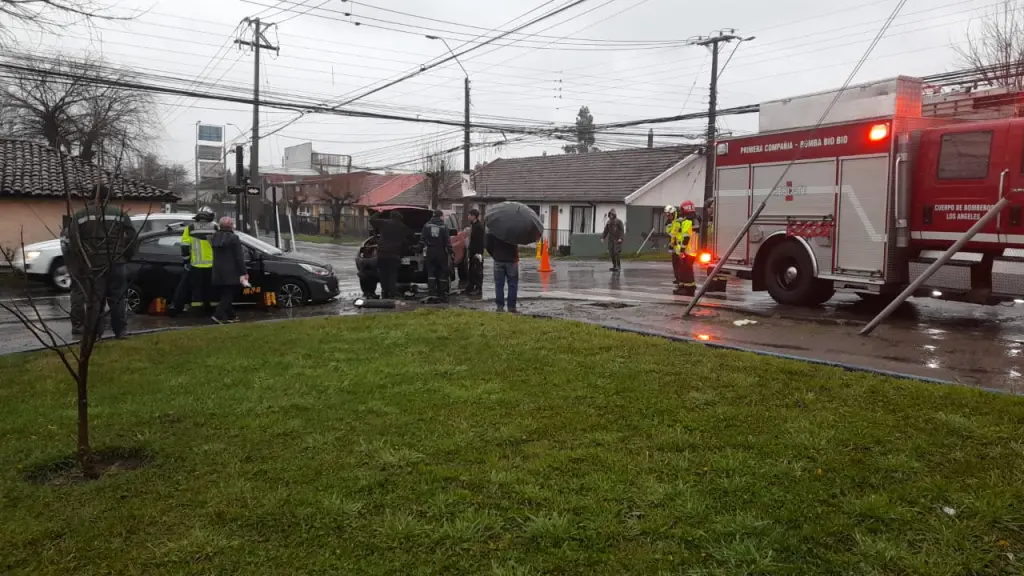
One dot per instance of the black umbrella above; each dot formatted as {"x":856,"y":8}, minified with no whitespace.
{"x":514,"y":223}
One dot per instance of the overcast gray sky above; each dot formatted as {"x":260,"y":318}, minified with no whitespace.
{"x":579,"y":57}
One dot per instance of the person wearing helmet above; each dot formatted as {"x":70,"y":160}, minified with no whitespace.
{"x":198,"y":255}
{"x":681,"y":241}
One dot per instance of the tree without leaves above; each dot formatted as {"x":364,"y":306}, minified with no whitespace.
{"x":76,"y":117}
{"x":584,"y":134}
{"x":995,"y":49}
{"x":150,"y":169}
{"x":339,"y":193}
{"x":52,"y":15}
{"x":437,"y":167}
{"x":78,"y":192}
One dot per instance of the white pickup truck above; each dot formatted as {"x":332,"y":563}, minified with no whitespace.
{"x":44,"y":261}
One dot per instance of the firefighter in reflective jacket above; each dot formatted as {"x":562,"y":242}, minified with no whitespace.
{"x":438,"y":242}
{"x":197,"y":250}
{"x":679,"y":227}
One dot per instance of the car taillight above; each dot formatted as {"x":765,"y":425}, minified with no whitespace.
{"x":705,"y":257}
{"x":878,"y":132}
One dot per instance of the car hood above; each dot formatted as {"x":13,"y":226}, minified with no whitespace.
{"x":44,"y":245}
{"x":414,"y":216}
{"x":293,"y":259}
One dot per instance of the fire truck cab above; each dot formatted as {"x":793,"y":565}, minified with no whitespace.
{"x":869,"y":199}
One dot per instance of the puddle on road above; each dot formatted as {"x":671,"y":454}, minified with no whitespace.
{"x":611,"y":305}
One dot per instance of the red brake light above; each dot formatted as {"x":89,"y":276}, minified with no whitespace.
{"x":878,"y":132}
{"x":705,"y":258}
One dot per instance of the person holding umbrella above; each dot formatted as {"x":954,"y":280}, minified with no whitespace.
{"x":506,"y":269}
{"x":509,"y":225}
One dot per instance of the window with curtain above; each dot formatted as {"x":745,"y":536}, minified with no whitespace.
{"x":582,"y":219}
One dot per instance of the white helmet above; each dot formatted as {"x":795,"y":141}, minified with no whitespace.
{"x":670,"y":210}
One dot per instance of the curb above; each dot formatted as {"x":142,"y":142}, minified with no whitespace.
{"x":815,"y":361}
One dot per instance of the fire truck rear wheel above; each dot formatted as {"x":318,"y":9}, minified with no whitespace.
{"x":789,"y":277}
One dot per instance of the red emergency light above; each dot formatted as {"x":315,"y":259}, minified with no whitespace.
{"x":705,"y":257}
{"x":878,"y":132}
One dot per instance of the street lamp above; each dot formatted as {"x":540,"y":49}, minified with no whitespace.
{"x":465,"y":134}
{"x":450,"y":51}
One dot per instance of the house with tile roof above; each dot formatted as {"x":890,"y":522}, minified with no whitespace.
{"x":573,"y":193}
{"x":32,"y":191}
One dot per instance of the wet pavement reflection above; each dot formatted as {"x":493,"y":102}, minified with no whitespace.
{"x":973,"y":345}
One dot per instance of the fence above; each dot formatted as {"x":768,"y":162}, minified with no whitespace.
{"x":350,"y":225}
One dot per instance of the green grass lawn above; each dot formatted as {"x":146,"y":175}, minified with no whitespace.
{"x":369,"y":446}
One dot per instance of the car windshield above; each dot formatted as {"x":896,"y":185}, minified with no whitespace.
{"x":258,"y":244}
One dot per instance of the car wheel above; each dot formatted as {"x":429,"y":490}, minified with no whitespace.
{"x":59,"y":276}
{"x":133,"y":300}
{"x":789,"y":276}
{"x":291,"y":293}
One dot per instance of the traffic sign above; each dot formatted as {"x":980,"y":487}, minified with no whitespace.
{"x":253,"y":191}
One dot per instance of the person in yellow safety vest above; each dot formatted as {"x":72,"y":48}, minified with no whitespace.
{"x":679,"y":227}
{"x":195,"y":246}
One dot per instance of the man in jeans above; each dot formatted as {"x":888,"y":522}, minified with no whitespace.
{"x":506,"y":269}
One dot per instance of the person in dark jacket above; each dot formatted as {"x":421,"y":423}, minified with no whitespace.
{"x":392,"y":240}
{"x":96,"y":242}
{"x":438,"y":242}
{"x":506,"y":269}
{"x":229,"y":271}
{"x":476,"y":254}
{"x":614,"y":233}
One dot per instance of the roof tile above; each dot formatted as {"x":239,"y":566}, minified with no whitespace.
{"x":593,"y":177}
{"x":31,"y":169}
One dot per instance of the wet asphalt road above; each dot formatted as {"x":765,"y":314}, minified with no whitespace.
{"x":972,"y":345}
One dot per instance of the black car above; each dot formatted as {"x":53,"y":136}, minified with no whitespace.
{"x":157,"y":268}
{"x":413,"y":269}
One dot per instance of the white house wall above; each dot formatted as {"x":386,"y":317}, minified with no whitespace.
{"x":687,"y":183}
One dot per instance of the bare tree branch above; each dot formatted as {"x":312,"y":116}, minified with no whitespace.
{"x":438,"y":167}
{"x":994,"y":47}
{"x":53,"y":15}
{"x":77,"y":117}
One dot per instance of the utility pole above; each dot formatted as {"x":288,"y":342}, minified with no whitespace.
{"x":465,"y":152}
{"x":259,"y":41}
{"x":713,"y":42}
{"x":465,"y":134}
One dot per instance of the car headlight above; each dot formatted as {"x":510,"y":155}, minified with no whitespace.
{"x":27,"y":258}
{"x":316,"y":270}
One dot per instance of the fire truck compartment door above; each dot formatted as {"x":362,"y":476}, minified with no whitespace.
{"x":732,"y":208}
{"x":1011,"y":220}
{"x":863,"y":200}
{"x":959,"y":171}
{"x":806,"y":194}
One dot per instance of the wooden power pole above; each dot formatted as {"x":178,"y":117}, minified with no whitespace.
{"x":259,"y":41}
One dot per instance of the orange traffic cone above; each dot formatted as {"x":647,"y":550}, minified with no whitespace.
{"x":158,"y":307}
{"x":545,"y":260}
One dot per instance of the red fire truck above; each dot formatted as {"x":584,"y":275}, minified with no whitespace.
{"x":867,"y":200}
